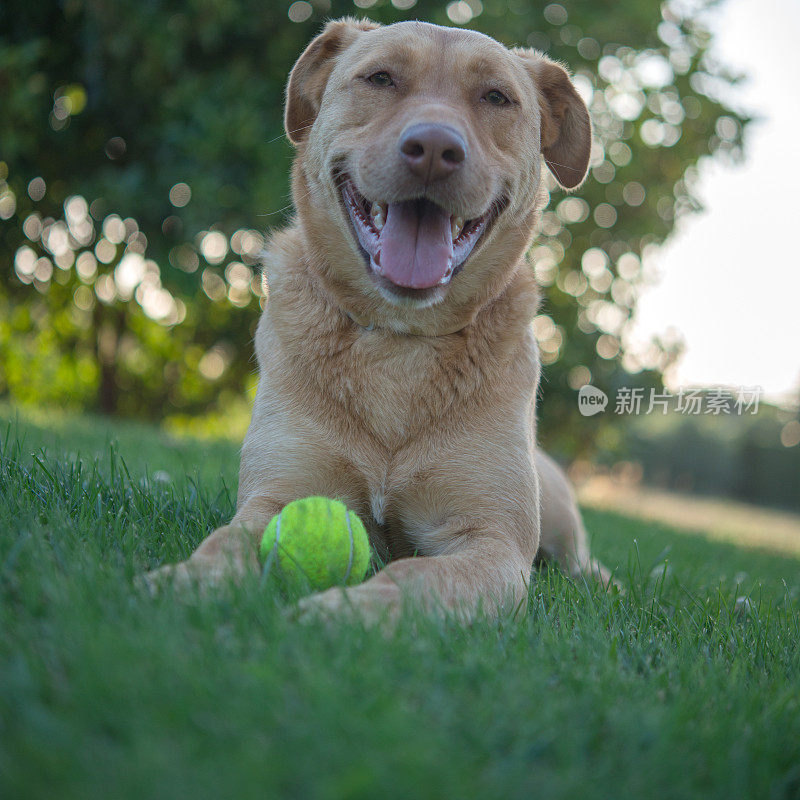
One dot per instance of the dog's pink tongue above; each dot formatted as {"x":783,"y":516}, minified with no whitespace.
{"x":416,"y":244}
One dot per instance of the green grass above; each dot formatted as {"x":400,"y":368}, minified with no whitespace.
{"x":664,"y":692}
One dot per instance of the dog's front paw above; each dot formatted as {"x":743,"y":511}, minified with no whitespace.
{"x":368,"y":604}
{"x":177,"y":576}
{"x":322,"y":605}
{"x":198,"y":574}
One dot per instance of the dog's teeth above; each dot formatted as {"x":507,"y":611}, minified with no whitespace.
{"x":378,"y":213}
{"x":456,"y":226}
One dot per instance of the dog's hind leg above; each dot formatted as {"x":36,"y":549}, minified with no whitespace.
{"x":563,"y":535}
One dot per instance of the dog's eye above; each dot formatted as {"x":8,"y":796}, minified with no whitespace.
{"x":381,"y":79}
{"x":496,"y":98}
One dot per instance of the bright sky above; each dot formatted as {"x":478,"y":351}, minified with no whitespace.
{"x":729,"y":280}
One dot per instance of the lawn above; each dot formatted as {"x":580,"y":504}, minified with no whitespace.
{"x":670,"y":690}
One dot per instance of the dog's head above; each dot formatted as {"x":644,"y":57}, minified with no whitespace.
{"x":419,"y":159}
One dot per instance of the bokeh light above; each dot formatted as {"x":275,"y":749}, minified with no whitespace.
{"x":115,"y":148}
{"x":579,"y":376}
{"x":460,"y":12}
{"x":300,"y":11}
{"x":607,"y":346}
{"x":213,"y":246}
{"x":36,"y":189}
{"x":790,"y":434}
{"x":605,"y":215}
{"x":180,"y":195}
{"x":555,"y":14}
{"x":633,"y":193}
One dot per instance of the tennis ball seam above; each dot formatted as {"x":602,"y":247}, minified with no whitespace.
{"x":286,"y":552}
{"x":350,"y":558}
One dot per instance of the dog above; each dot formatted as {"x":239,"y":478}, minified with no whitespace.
{"x":397,"y":367}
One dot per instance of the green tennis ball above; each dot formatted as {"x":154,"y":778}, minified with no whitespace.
{"x":315,"y":543}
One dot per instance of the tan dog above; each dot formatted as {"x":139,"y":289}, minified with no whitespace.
{"x":398,"y":370}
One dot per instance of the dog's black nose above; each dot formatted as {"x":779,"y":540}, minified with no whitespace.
{"x":432,"y":151}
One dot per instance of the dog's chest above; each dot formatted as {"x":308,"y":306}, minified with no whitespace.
{"x":397,"y":391}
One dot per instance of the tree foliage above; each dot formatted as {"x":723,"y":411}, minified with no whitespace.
{"x":166,"y":117}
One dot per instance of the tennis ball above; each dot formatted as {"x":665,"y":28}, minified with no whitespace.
{"x":315,"y":543}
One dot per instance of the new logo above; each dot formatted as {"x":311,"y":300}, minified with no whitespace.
{"x":591,"y":400}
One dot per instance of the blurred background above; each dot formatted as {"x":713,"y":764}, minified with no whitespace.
{"x":142,"y":162}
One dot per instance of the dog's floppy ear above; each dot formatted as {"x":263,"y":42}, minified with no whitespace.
{"x":310,"y":73}
{"x":566,"y":131}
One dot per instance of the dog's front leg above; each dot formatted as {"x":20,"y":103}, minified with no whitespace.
{"x":489,"y":574}
{"x":231,"y":551}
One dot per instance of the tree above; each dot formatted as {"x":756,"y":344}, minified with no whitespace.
{"x":167,"y":117}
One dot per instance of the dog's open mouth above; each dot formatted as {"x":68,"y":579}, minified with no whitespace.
{"x":416,"y":244}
